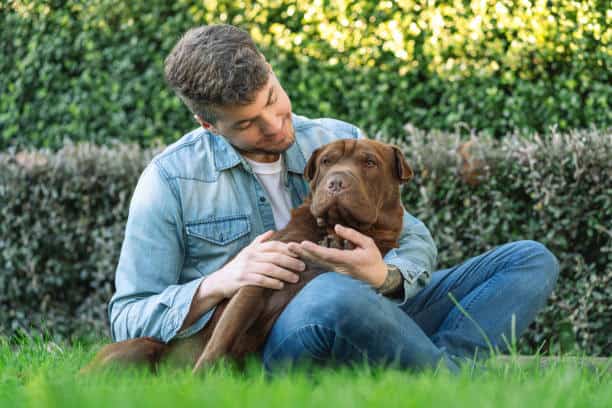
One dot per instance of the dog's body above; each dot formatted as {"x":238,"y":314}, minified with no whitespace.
{"x":354,"y":183}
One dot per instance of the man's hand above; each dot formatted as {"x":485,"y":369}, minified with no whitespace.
{"x":364,"y":262}
{"x":263,"y":263}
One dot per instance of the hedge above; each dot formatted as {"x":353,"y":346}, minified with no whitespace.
{"x":63,"y":215}
{"x":92,"y":71}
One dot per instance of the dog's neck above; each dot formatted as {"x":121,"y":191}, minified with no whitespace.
{"x":303,"y":226}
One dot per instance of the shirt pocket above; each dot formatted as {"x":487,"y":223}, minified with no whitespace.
{"x":217,"y":239}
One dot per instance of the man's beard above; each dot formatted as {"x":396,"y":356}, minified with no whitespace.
{"x":287,"y":142}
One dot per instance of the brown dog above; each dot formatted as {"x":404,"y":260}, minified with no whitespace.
{"x":353,"y":183}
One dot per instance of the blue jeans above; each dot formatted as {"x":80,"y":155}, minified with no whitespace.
{"x":336,"y":319}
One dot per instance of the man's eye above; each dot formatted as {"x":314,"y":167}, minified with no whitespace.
{"x":245,"y":126}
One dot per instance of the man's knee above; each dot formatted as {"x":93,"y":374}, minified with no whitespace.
{"x":538,"y":262}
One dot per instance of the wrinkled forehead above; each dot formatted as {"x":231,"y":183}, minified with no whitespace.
{"x":354,"y":148}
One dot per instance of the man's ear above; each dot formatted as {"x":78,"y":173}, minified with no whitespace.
{"x":311,"y":167}
{"x":402,"y":169}
{"x":206,"y":125}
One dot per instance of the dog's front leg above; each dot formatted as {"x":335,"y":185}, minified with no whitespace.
{"x":239,"y":315}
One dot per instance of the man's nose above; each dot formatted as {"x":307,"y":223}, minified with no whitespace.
{"x":272,"y":124}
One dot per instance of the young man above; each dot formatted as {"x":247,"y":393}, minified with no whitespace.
{"x":203,"y":211}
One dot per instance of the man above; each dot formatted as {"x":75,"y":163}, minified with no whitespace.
{"x":204,"y":209}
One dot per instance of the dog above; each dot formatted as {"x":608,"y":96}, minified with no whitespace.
{"x":354,"y":183}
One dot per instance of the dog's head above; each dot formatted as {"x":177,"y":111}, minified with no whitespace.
{"x":356,"y":183}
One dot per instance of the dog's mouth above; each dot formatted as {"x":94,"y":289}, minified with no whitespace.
{"x":347,"y":209}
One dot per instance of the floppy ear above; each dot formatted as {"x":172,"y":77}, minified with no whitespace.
{"x":311,"y":168}
{"x":403,"y":171}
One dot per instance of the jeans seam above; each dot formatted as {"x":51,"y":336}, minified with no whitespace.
{"x":474,"y":299}
{"x":453,"y":270}
{"x":309,"y":326}
{"x":504,"y":266}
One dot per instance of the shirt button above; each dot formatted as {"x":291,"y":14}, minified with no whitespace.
{"x":262,"y":199}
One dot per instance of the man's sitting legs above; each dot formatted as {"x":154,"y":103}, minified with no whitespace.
{"x":338,"y":319}
{"x":512,"y":279}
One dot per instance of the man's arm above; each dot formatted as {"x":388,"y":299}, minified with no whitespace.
{"x":148,"y":300}
{"x":409,"y":267}
{"x":393,"y":286}
{"x":416,"y":256}
{"x":262,"y":263}
{"x":206,"y":297}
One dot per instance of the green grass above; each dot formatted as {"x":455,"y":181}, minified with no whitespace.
{"x":38,"y":374}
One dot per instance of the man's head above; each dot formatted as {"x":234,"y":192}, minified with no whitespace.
{"x":226,"y":82}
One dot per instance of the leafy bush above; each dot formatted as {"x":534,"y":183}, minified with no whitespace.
{"x":61,"y":228}
{"x":63,"y":215}
{"x":94,"y":71}
{"x":483,"y":193}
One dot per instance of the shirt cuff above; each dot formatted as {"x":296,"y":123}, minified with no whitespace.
{"x":415,"y":277}
{"x":179,"y":305}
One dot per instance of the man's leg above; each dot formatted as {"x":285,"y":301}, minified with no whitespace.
{"x":336,"y":318}
{"x":513,"y":279}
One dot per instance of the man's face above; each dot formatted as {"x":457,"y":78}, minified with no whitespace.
{"x":261,"y":130}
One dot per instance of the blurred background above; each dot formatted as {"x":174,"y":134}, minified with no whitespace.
{"x":93,"y":70}
{"x":503,"y":108}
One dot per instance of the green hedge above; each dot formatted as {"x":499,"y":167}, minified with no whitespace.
{"x":61,"y":228}
{"x":92,"y":71}
{"x":557,"y":191}
{"x":63,"y":215}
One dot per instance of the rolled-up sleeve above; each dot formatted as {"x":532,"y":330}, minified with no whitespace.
{"x":416,"y":256}
{"x":148,"y":300}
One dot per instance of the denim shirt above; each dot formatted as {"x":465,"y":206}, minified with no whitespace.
{"x":196,"y":205}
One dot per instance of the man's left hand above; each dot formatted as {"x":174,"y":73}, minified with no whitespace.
{"x":364,"y":262}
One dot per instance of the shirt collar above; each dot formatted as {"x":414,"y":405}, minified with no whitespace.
{"x":226,"y":156}
{"x":295,"y":159}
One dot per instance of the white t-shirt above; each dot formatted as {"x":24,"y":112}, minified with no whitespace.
{"x":269,"y":175}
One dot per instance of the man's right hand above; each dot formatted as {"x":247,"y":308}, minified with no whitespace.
{"x":263,"y":263}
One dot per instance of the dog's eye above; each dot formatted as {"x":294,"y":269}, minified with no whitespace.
{"x":371,"y":163}
{"x":325,"y":161}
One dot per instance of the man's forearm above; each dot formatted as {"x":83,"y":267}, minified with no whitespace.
{"x":206,"y":297}
{"x":393,"y":284}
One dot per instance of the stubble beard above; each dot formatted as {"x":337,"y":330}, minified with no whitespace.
{"x":287,"y":143}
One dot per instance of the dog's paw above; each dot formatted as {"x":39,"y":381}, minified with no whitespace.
{"x":334,"y":241}
{"x":346,"y":244}
{"x":327,"y":241}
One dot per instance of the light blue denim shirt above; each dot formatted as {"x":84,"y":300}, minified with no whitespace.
{"x":196,"y":205}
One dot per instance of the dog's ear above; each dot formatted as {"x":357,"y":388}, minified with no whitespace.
{"x":402,"y":169}
{"x":311,"y":167}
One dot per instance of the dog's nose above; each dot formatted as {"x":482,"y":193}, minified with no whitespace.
{"x":336,"y":184}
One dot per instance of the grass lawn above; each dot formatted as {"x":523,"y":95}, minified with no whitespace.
{"x":45,"y":375}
